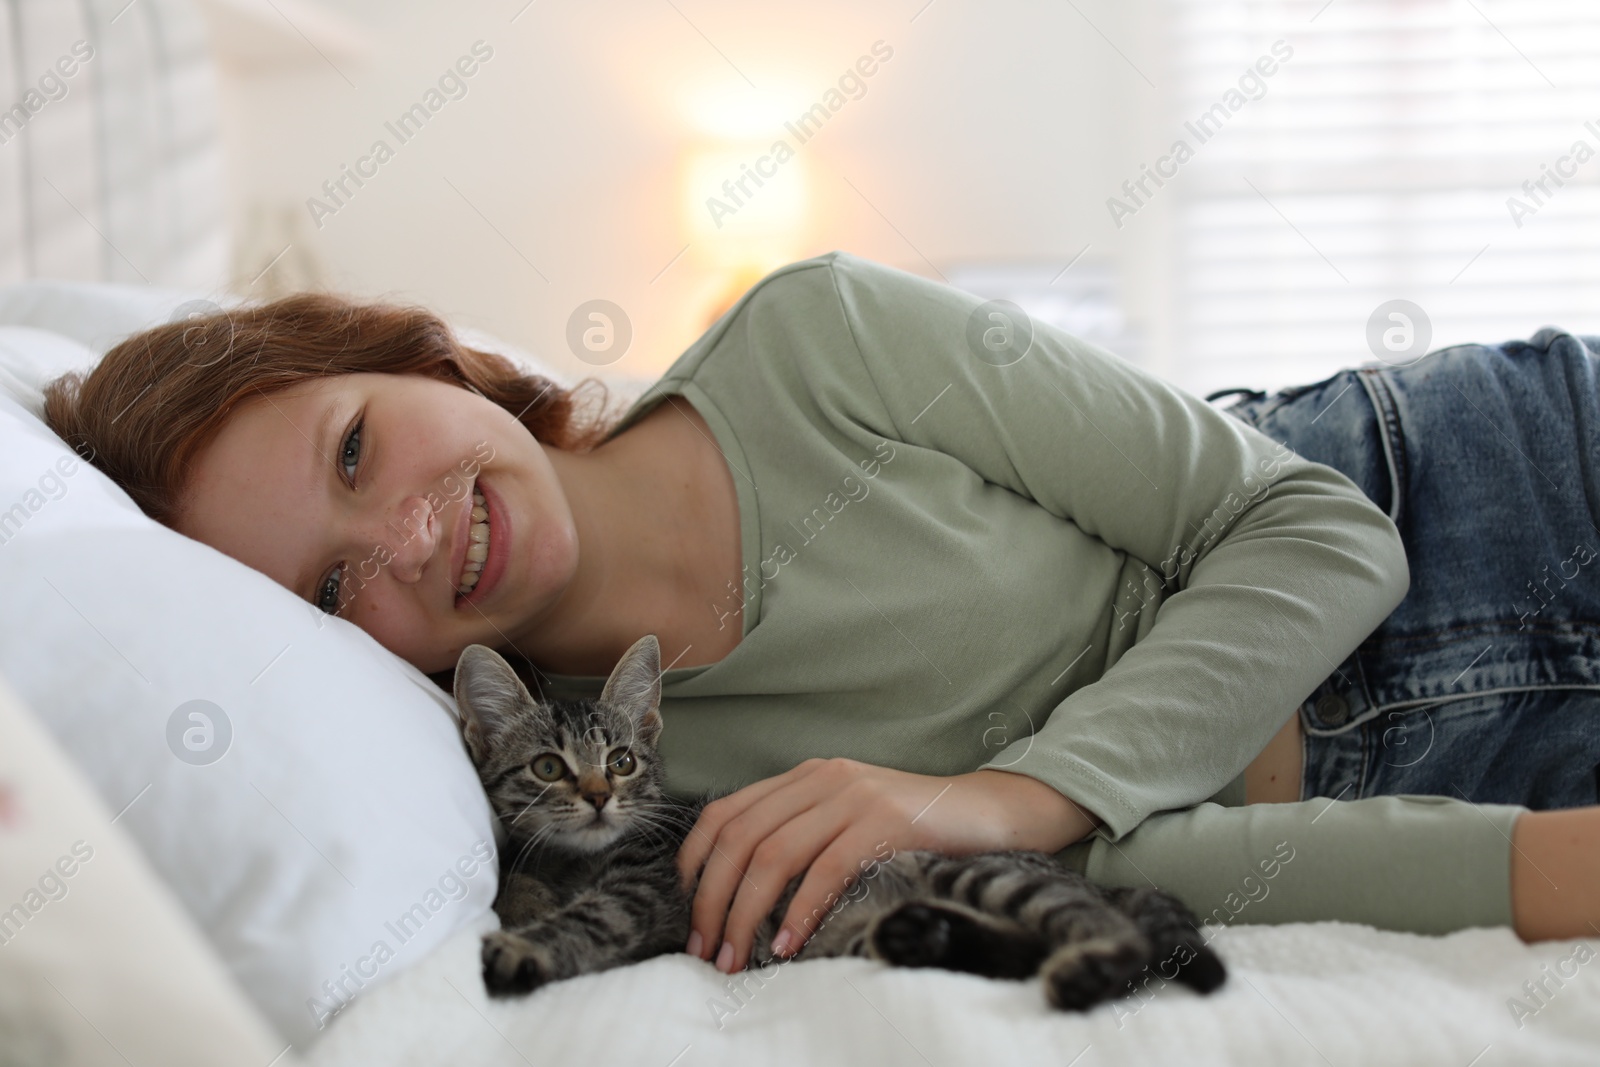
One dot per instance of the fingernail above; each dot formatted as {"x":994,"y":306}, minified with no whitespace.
{"x":696,"y":943}
{"x":725,"y":958}
{"x":781,"y":943}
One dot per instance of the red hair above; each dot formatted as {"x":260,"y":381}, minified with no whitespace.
{"x":158,"y":398}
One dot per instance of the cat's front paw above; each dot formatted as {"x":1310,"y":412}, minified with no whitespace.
{"x":511,"y":965}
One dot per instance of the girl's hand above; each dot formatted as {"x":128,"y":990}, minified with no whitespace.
{"x":832,"y":818}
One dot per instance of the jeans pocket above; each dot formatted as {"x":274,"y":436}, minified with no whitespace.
{"x":1537,"y":746}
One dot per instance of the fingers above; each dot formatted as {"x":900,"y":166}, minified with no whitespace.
{"x":728,"y":870}
{"x":823,"y":818}
{"x":786,"y":852}
{"x":849,"y":857}
{"x":702,"y":839}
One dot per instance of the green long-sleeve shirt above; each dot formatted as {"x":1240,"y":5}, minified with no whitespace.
{"x":1063,"y":567}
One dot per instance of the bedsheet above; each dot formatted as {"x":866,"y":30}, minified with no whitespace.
{"x":1314,"y":993}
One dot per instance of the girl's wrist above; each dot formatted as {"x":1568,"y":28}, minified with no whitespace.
{"x":1034,"y":815}
{"x":1555,"y":874}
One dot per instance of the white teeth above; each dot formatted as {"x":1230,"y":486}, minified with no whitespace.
{"x":478,"y":545}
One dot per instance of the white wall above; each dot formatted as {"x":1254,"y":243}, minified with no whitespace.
{"x":995,"y":131}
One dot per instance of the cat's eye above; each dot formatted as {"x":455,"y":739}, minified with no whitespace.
{"x":622,"y":762}
{"x":548,"y":767}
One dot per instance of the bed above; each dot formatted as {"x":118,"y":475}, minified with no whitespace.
{"x":1312,"y":993}
{"x":94,"y":248}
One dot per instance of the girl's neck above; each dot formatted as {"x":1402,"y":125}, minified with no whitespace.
{"x":647,"y":558}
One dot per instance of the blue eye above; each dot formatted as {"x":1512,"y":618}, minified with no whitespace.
{"x":327,"y":596}
{"x":350,"y":451}
{"x":328,"y":591}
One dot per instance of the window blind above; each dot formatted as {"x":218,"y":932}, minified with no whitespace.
{"x":1445,"y":152}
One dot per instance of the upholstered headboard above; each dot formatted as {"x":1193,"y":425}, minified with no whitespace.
{"x":111,"y":162}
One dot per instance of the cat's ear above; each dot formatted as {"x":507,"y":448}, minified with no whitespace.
{"x":634,"y":688}
{"x":489,"y":695}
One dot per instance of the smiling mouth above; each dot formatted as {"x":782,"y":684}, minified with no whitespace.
{"x":477,"y":547}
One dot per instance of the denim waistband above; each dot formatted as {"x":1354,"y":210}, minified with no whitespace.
{"x":1485,"y":458}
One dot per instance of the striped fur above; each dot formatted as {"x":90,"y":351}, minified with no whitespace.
{"x":592,"y":881}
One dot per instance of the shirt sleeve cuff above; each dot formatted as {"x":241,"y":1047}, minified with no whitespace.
{"x":1074,"y":779}
{"x":1409,"y":862}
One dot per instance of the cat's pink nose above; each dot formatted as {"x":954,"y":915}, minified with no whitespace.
{"x":595,"y":789}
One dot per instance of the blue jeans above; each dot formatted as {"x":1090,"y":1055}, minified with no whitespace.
{"x":1484,"y":683}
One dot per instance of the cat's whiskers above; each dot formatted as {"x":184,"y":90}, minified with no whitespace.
{"x":530,"y":845}
{"x":537,"y":797}
{"x":645,"y":821}
{"x":654,"y":823}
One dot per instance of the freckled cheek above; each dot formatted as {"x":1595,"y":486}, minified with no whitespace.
{"x":401,"y":627}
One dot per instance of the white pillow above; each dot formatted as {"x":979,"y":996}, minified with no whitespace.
{"x":82,"y":919}
{"x":29,"y":358}
{"x":327,"y":839}
{"x":50,"y":327}
{"x":96,"y":314}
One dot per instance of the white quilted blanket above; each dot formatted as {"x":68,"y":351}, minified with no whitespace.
{"x":1330,"y":994}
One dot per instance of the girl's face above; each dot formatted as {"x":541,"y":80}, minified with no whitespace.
{"x":356,"y":492}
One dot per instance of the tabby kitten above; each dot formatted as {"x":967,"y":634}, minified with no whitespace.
{"x":592,"y":881}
